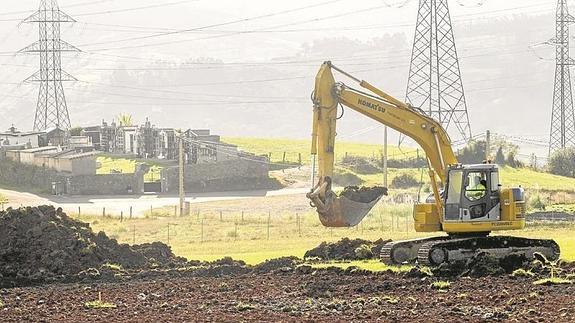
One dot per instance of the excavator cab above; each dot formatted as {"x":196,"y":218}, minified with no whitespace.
{"x":473,"y":193}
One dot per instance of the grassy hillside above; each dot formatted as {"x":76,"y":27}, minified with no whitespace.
{"x":294,"y":147}
{"x":525,"y":177}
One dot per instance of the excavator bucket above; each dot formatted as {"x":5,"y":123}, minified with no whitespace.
{"x":350,"y":207}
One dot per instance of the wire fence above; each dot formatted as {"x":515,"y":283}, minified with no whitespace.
{"x":204,"y":226}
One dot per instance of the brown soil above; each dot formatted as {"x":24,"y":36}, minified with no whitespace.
{"x":325,"y":296}
{"x":41,"y":244}
{"x":363,"y":194}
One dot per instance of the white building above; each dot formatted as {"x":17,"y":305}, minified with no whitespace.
{"x":13,"y":137}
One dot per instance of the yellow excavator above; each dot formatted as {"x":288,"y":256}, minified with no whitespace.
{"x":467,"y":202}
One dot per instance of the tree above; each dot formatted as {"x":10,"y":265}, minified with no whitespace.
{"x":562,"y":162}
{"x":473,"y":153}
{"x":76,"y":131}
{"x":512,"y":160}
{"x":125,"y":119}
{"x":500,"y":157}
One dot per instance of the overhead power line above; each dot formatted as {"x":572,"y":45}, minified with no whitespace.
{"x":167,"y":33}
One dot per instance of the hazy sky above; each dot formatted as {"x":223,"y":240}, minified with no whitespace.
{"x":130,"y":32}
{"x":285,"y":30}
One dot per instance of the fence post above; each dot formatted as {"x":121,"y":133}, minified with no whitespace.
{"x":299,"y":158}
{"x":269,"y":219}
{"x":78,"y":210}
{"x":406,"y":226}
{"x":104,"y":212}
{"x":121,"y":216}
{"x":151,"y":212}
{"x":298,"y":224}
{"x":130,"y":212}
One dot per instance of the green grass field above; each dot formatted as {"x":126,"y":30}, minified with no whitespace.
{"x":510,"y":177}
{"x":109,"y":164}
{"x":204,"y":236}
{"x":294,"y":147}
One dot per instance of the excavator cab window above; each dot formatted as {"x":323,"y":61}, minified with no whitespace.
{"x":476,"y":186}
{"x":472,"y":195}
{"x":453,"y":199}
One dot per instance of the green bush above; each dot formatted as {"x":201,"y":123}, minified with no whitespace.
{"x":404,"y":181}
{"x":536,"y":203}
{"x":562,"y":162}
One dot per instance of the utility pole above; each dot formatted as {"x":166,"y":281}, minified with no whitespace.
{"x":385,"y":156}
{"x":181,"y":171}
{"x":434,"y":83}
{"x":563,"y":116}
{"x":487,"y":145}
{"x":51,"y":108}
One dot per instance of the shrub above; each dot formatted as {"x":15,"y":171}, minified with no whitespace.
{"x":360,"y":165}
{"x":562,"y":162}
{"x":404,"y":181}
{"x":536,"y":203}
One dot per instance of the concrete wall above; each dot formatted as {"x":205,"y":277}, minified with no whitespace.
{"x":28,"y":176}
{"x":105,"y":184}
{"x":231,"y":175}
{"x":40,"y":179}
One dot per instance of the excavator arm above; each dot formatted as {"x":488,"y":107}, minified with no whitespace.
{"x":348,"y":210}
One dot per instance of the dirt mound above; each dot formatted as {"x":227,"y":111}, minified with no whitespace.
{"x":363,"y":194}
{"x":42,"y":244}
{"x":347,"y":249}
{"x":481,"y":265}
{"x":158,"y":253}
{"x":283,"y":264}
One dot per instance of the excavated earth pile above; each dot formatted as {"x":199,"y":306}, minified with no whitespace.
{"x":42,"y":244}
{"x":363,"y":194}
{"x":347,"y":249}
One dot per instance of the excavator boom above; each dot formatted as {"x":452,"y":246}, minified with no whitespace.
{"x":349,"y":209}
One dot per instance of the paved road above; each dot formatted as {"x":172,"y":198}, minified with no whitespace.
{"x":140,"y":204}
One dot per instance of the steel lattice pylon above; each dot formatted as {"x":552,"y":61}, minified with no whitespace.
{"x":434,"y":83}
{"x":563,"y":116}
{"x":51,"y":109}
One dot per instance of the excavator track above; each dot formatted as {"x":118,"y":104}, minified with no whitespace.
{"x":434,"y":253}
{"x":405,"y":251}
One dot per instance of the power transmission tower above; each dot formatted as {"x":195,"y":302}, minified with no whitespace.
{"x":51,"y":109}
{"x":563,"y":117}
{"x":434,"y":83}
